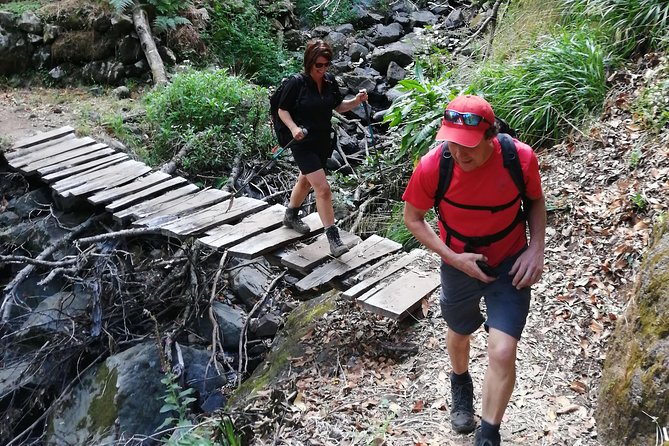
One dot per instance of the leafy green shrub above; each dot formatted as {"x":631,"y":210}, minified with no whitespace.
{"x":19,"y":7}
{"x":628,"y":24}
{"x":243,"y":41}
{"x":418,"y":113}
{"x":219,"y":115}
{"x":549,"y":91}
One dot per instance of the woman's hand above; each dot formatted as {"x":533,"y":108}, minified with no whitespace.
{"x":362,"y":96}
{"x":298,"y":133}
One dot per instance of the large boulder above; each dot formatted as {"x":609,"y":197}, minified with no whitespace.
{"x":121,"y":397}
{"x":634,"y":392}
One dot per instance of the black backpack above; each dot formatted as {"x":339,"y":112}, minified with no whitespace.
{"x":280,"y":130}
{"x":512,"y":164}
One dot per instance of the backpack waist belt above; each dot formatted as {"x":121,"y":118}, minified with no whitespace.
{"x":484,"y":240}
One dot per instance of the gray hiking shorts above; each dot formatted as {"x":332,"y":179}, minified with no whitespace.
{"x":506,"y":307}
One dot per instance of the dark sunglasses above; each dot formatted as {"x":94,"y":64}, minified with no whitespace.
{"x":320,"y":65}
{"x":470,"y":119}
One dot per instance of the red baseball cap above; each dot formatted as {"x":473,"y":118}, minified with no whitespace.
{"x":460,"y":133}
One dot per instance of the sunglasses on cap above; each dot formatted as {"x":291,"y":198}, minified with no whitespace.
{"x":469,"y":119}
{"x":321,"y":64}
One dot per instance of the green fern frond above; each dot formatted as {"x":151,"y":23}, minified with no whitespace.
{"x":121,"y":5}
{"x":164,"y":23}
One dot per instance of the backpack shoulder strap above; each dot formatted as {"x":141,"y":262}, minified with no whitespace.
{"x":445,"y":174}
{"x":512,"y":162}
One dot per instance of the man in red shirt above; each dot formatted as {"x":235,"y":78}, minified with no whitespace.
{"x":481,"y":203}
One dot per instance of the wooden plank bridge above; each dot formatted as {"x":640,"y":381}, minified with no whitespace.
{"x":385,"y":280}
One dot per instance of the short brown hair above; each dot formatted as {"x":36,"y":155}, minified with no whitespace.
{"x":315,"y":49}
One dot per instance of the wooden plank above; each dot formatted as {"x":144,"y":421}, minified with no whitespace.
{"x":306,"y":259}
{"x":372,"y":248}
{"x":402,"y":295}
{"x":270,"y":241}
{"x":115,"y":193}
{"x":172,"y":211}
{"x":146,"y":194}
{"x":63,"y":157}
{"x":49,"y":151}
{"x":228,"y":235}
{"x":91,"y":166}
{"x":86,"y":177}
{"x":213,"y":216}
{"x":381,"y":274}
{"x":42,"y":137}
{"x":145,"y":208}
{"x":78,"y":160}
{"x":24,"y":151}
{"x":120,"y":178}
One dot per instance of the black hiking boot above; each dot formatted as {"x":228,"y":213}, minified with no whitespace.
{"x":480,"y":441}
{"x":462,"y":407}
{"x":337,"y":247}
{"x":291,"y":220}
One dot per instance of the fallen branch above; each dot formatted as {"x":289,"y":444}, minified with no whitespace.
{"x":216,"y":342}
{"x":6,"y":306}
{"x":36,"y":262}
{"x":149,"y":46}
{"x":116,"y":235}
{"x":492,"y":17}
{"x":242,"y":336}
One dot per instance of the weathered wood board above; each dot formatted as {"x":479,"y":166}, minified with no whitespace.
{"x":21,"y":162}
{"x":170,"y":212}
{"x":43,"y":137}
{"x":227,"y":235}
{"x":270,"y":241}
{"x":117,"y":179}
{"x":63,"y":157}
{"x":305,"y":259}
{"x":37,"y":147}
{"x":213,"y":216}
{"x":382,"y":273}
{"x":93,"y":159}
{"x":367,"y":251}
{"x":141,"y":210}
{"x":116,"y":193}
{"x":85,"y":177}
{"x":401,"y":296}
{"x":148,"y":194}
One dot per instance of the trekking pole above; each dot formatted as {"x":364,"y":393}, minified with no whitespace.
{"x":367,"y":108}
{"x":274,"y":157}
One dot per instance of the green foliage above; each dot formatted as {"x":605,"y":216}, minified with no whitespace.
{"x":243,"y":40}
{"x":168,"y":12}
{"x":19,"y":7}
{"x":218,"y":115}
{"x":627,"y":24}
{"x":396,"y":229}
{"x":651,"y":108}
{"x":325,"y":12}
{"x":551,"y":90}
{"x":639,"y":201}
{"x":418,"y":113}
{"x":635,"y":158}
{"x":176,"y":401}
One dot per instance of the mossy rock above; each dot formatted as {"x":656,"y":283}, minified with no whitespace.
{"x":287,"y":345}
{"x":634,"y":393}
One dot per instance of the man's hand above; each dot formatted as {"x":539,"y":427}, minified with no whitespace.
{"x":528,"y":268}
{"x":466,"y":262}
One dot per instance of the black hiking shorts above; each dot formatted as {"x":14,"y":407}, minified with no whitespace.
{"x":312,"y":152}
{"x":506,"y":307}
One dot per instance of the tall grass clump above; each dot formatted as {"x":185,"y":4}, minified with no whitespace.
{"x":549,"y":91}
{"x":244,"y":42}
{"x":219,"y":115}
{"x":628,"y":25}
{"x":325,"y":12}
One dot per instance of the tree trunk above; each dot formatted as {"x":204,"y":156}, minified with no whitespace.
{"x":148,"y":46}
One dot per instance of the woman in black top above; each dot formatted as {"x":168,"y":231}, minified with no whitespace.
{"x":307,"y":103}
